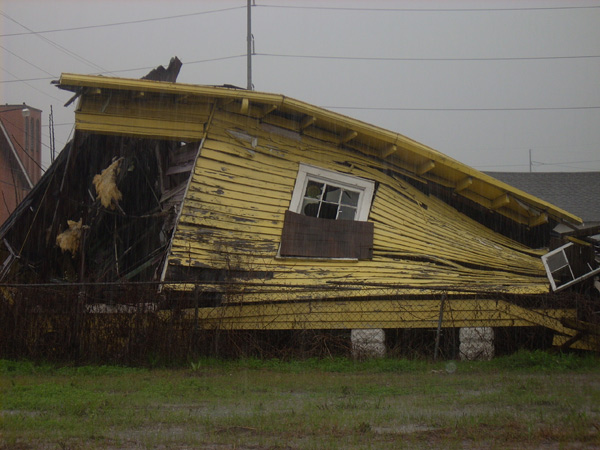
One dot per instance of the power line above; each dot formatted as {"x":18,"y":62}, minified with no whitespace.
{"x":23,"y":80}
{"x":28,"y":62}
{"x":129,"y":22}
{"x":558,"y":108}
{"x":375,"y":58}
{"x":338,"y":8}
{"x":187,"y":63}
{"x":179,"y":16}
{"x":57,"y":46}
{"x":31,"y":86}
{"x":566,"y":162}
{"x":223,"y":58}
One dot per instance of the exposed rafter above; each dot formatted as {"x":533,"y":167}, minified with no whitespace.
{"x":307,"y":122}
{"x":389,"y":150}
{"x":245,"y":106}
{"x":268,"y":109}
{"x":500,"y":201}
{"x":347,"y":136}
{"x":463,"y":184}
{"x":538,"y":220}
{"x":425,"y":167}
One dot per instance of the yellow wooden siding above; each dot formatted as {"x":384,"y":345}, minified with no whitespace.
{"x":234,"y":210}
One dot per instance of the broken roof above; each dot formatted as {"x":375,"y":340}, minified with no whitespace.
{"x":180,"y":111}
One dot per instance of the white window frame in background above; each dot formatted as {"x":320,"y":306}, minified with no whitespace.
{"x":306,"y":173}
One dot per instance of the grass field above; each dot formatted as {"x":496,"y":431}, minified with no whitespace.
{"x":530,"y":400}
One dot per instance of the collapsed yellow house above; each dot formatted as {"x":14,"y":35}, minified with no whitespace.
{"x":273,"y":214}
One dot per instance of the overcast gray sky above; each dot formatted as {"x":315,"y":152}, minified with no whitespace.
{"x":481,"y":81}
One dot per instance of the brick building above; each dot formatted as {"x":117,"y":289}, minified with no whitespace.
{"x":20,"y":154}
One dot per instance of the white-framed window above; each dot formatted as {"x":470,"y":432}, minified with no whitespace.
{"x":327,"y":194}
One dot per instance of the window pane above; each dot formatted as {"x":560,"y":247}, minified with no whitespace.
{"x":350,"y":198}
{"x":332,"y":194}
{"x":313,"y":189}
{"x":347,"y":213}
{"x":310,"y":207}
{"x":328,"y":211}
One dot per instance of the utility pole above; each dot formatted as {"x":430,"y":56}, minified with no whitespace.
{"x":530,"y":164}
{"x":249,"y":47}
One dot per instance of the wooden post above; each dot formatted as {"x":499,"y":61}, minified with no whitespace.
{"x":439,"y":328}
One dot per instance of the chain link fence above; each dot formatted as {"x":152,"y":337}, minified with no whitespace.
{"x":151,"y":324}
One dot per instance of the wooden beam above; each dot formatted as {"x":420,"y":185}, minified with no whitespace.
{"x":425,"y":167}
{"x":363,"y":314}
{"x":538,"y":220}
{"x":348,"y":136}
{"x":585,"y":342}
{"x":388,"y":150}
{"x":307,"y":122}
{"x":574,"y":240}
{"x":463,"y":184}
{"x":583,"y":232}
{"x":500,"y":202}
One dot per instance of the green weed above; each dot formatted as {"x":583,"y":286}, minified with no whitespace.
{"x":520,"y":401}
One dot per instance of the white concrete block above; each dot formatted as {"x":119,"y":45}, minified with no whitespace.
{"x":368,"y":343}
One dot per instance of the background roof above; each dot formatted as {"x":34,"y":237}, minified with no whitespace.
{"x":578,"y":193}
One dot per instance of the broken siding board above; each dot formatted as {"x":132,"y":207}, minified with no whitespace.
{"x":439,"y":277}
{"x":216,"y":175}
{"x":425,"y":241}
{"x":382,"y":274}
{"x":197,"y":201}
{"x":200,"y":210}
{"x":392,"y":265}
{"x":205,"y":199}
{"x":249,"y":164}
{"x":264,"y":187}
{"x":315,"y":153}
{"x":456,"y":236}
{"x":253,"y":195}
{"x":466,"y":259}
{"x":257,"y":214}
{"x":256,"y":229}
